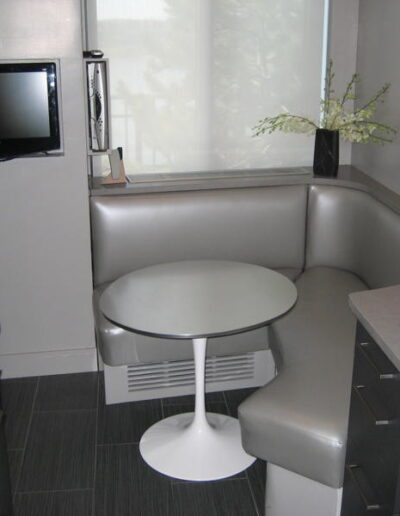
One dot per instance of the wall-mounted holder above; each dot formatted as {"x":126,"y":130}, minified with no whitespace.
{"x":98,"y":114}
{"x":98,"y":106}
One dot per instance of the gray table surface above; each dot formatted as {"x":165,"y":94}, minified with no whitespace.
{"x":194,"y":299}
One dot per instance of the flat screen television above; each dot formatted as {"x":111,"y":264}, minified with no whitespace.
{"x":29,"y":116}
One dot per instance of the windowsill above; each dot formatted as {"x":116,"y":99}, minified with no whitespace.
{"x":223,"y":174}
{"x":348,"y":176}
{"x":149,"y":183}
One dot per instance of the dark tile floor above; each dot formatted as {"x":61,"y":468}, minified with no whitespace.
{"x":71,"y":455}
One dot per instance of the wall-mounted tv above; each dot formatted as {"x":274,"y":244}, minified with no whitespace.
{"x":29,"y":115}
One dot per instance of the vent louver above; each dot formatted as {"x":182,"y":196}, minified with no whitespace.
{"x":181,"y":373}
{"x":137,"y":382}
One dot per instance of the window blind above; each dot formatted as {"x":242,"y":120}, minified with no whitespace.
{"x":191,"y":78}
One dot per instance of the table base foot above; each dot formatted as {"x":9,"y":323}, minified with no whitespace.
{"x":178,"y":449}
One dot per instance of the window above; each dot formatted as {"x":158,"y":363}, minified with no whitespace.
{"x":190,"y":78}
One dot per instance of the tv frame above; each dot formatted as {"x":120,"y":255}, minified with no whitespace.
{"x":37,"y":146}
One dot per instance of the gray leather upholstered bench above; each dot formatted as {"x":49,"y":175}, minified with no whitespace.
{"x":298,"y":422}
{"x":265,"y":226}
{"x":334,"y":240}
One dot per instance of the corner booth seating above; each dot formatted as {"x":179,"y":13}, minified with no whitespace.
{"x":332,"y":239}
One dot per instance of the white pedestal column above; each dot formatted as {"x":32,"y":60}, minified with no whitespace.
{"x":196,"y":446}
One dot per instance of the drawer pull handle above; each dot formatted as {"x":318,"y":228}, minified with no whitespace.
{"x":364,"y":488}
{"x":378,"y":413}
{"x":388,"y":373}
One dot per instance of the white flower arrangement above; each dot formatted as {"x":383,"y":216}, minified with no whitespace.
{"x":354,"y":126}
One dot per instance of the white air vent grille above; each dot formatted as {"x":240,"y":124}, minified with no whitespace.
{"x":180,"y":373}
{"x":176,"y":378}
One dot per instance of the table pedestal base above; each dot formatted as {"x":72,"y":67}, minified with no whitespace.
{"x":176,"y":447}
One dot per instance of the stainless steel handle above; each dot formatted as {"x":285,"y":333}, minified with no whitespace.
{"x":375,"y":408}
{"x":388,"y":373}
{"x":365,"y":491}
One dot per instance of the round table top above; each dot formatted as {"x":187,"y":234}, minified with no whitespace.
{"x":194,"y":299}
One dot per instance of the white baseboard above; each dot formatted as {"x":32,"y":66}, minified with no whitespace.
{"x":50,"y":362}
{"x":288,"y":493}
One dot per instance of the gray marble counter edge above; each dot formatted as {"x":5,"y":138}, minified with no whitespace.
{"x":365,"y":320}
{"x":349,"y":177}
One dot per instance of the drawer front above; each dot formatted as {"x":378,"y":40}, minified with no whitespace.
{"x":379,"y":365}
{"x":374,"y":371}
{"x":359,"y":498}
{"x":374,"y":429}
{"x":375,"y":448}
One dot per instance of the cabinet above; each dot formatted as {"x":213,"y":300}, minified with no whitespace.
{"x":372,"y":484}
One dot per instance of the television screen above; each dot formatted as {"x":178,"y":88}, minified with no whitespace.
{"x":29,"y":121}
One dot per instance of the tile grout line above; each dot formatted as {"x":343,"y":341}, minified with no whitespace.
{"x":228,"y":408}
{"x":63,"y":411}
{"x":95,"y":447}
{"x":133,"y":443}
{"x":28,"y":431}
{"x":162,"y":408}
{"x":73,"y":490}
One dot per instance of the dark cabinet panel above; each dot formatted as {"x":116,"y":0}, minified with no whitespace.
{"x":373,"y":451}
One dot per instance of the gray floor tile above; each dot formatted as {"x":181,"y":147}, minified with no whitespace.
{"x":235,"y":397}
{"x":125,"y":486}
{"x":60,"y":451}
{"x":126,"y":422}
{"x":67,"y":392}
{"x":23,"y":379}
{"x":15,"y":462}
{"x":17,"y":398}
{"x":66,"y":503}
{"x":223,"y":498}
{"x":17,"y":394}
{"x":257,"y":476}
{"x":16,"y":427}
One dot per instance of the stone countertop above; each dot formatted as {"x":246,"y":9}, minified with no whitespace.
{"x":379,"y":312}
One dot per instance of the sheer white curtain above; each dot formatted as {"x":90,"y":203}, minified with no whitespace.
{"x":190,"y":78}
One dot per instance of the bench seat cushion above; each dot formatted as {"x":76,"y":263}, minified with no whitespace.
{"x":299,"y":420}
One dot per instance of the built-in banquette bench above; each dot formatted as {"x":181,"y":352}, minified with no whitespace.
{"x":332,"y":240}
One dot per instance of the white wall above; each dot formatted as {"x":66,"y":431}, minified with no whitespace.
{"x":377,"y":63}
{"x":45,"y":263}
{"x":343,"y":51}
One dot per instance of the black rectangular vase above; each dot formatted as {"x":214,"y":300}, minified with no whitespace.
{"x":326,"y":153}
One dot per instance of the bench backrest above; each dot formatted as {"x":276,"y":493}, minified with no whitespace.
{"x":265,"y":226}
{"x":346,"y":228}
{"x":349,"y":229}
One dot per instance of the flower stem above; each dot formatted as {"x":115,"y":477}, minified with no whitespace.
{"x":375,"y":98}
